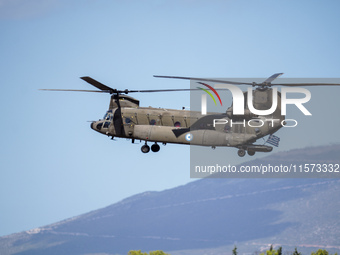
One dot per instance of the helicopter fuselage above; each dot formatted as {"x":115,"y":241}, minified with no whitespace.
{"x":185,"y":127}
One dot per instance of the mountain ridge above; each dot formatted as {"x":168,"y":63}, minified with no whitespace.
{"x":201,"y":216}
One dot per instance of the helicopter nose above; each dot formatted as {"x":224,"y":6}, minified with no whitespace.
{"x":92,"y":125}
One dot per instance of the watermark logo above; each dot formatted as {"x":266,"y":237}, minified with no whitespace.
{"x":239,"y":101}
{"x":208,"y":92}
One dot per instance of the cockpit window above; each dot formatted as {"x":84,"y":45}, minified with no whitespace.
{"x":106,"y":124}
{"x":99,"y":126}
{"x":108,"y":115}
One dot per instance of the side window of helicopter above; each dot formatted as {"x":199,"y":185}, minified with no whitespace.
{"x":106,"y":124}
{"x":127,"y":120}
{"x":177,"y":124}
{"x":152,"y":122}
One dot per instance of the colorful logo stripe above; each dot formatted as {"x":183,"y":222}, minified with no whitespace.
{"x":213,"y":90}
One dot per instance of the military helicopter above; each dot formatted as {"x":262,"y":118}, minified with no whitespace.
{"x":126,"y":119}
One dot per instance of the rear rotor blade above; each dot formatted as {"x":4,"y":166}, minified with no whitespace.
{"x":202,"y":79}
{"x":273,"y":77}
{"x":267,"y":82}
{"x":306,"y":84}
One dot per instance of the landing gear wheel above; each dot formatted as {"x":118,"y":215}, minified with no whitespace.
{"x":155,"y":147}
{"x":251,"y":153}
{"x":145,"y":148}
{"x":241,"y":152}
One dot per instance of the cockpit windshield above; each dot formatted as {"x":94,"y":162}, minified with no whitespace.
{"x":108,"y":115}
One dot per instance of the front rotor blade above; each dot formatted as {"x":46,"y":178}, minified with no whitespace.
{"x":156,"y":90}
{"x":120,"y":91}
{"x":77,"y":90}
{"x":202,"y":79}
{"x":96,"y":84}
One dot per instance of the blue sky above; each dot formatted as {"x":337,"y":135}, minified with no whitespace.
{"x":53,"y":166}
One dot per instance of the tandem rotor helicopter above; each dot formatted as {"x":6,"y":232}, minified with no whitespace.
{"x":126,"y":119}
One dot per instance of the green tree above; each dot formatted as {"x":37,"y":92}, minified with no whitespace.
{"x":322,"y":252}
{"x":235,"y":250}
{"x":296,"y":252}
{"x":158,"y":253}
{"x":271,"y":251}
{"x":279,"y":251}
{"x":137,"y":253}
{"x":150,"y":253}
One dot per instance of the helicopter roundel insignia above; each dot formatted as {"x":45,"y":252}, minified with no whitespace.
{"x":188,"y":137}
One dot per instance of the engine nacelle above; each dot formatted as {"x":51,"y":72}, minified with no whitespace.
{"x":123,"y":101}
